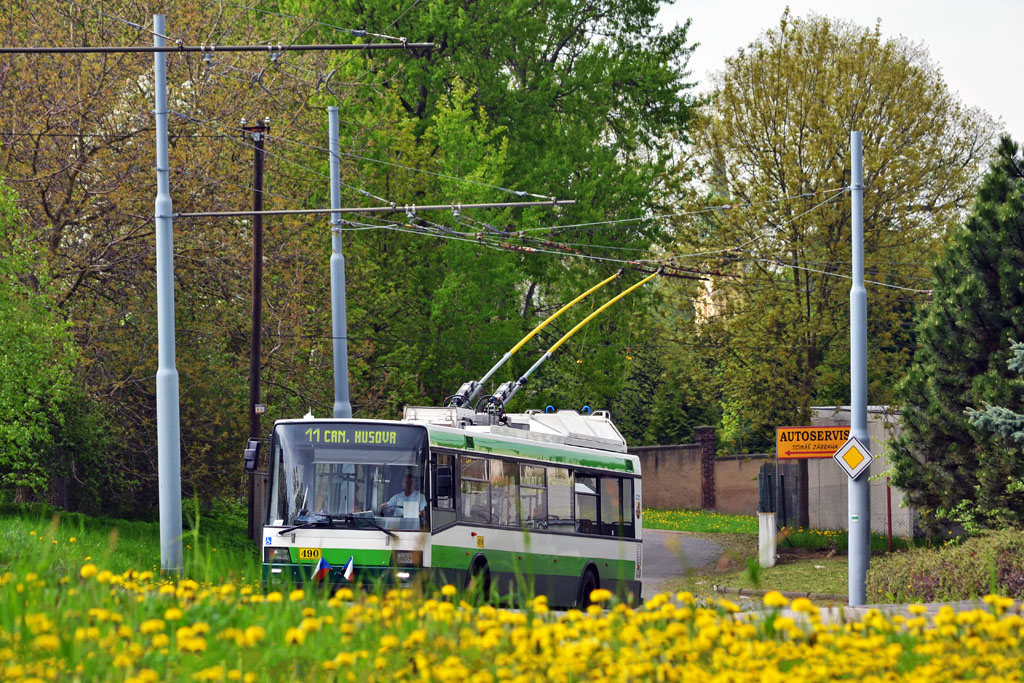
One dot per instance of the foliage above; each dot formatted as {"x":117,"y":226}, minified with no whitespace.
{"x":576,"y":100}
{"x":950,"y":467}
{"x":36,"y":363}
{"x":772,"y":149}
{"x":989,"y":563}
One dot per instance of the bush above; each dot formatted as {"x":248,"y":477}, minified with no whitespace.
{"x":990,"y":563}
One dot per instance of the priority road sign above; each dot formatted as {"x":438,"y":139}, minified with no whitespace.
{"x":853,"y":457}
{"x":809,"y":442}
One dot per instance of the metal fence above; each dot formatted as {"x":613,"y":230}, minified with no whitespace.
{"x":827,"y":498}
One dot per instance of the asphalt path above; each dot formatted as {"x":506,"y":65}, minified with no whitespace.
{"x":669,"y":555}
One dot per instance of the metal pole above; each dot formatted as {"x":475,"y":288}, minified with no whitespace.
{"x":888,"y":510}
{"x":256,"y":334}
{"x":258,"y":133}
{"x":859,"y":498}
{"x":168,"y":437}
{"x":339,"y":324}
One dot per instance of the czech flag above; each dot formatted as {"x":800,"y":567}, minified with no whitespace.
{"x":349,"y":569}
{"x":322,"y":570}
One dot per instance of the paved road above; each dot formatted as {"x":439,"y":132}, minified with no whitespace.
{"x":670,"y":554}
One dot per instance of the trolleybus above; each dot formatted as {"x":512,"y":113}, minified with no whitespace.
{"x":543,"y":502}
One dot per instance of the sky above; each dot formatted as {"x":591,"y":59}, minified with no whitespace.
{"x":975,"y":43}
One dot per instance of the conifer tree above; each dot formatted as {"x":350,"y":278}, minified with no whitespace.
{"x":951,"y":468}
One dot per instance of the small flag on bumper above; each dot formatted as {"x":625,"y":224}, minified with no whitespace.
{"x":349,"y":569}
{"x":321,"y":571}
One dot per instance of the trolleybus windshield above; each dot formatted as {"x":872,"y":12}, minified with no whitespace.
{"x":371,"y":474}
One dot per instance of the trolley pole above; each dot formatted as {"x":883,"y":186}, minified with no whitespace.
{"x":167,"y":418}
{"x":258,"y":135}
{"x":858,"y":490}
{"x":339,"y":322}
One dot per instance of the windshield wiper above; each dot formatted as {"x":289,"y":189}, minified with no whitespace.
{"x":368,"y":520}
{"x":321,"y":521}
{"x":331,"y":520}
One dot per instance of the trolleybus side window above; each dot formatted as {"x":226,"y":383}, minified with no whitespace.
{"x":560,"y":516}
{"x":443,"y":490}
{"x":504,"y":493}
{"x":628,"y":523}
{"x":611,"y":506}
{"x":586,"y":505}
{"x":474,"y":499}
{"x":533,"y":496}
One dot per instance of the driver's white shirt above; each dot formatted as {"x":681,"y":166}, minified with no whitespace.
{"x":400,"y":499}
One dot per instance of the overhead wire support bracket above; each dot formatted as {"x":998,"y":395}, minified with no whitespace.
{"x":371,"y":209}
{"x":150,"y":49}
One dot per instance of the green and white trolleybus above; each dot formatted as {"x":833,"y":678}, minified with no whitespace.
{"x":547,"y":502}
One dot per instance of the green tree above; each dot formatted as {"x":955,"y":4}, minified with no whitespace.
{"x":573,"y":99}
{"x":36,"y":362}
{"x":950,"y":460}
{"x":589,"y":98}
{"x":773,"y":150}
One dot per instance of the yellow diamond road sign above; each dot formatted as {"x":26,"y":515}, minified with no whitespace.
{"x":853,"y":457}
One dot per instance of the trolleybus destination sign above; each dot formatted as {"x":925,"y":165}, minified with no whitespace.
{"x":809,"y":442}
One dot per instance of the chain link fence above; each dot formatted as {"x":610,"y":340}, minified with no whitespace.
{"x":827,"y":486}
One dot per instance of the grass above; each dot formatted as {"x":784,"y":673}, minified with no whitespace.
{"x":808,"y":560}
{"x":700,"y":521}
{"x":211,"y":548}
{"x":63,"y":621}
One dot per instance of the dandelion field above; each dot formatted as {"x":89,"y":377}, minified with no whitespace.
{"x":89,"y":623}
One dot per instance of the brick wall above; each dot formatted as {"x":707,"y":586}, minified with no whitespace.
{"x":736,"y":479}
{"x":671,"y":476}
{"x":705,"y":438}
{"x":690,"y":477}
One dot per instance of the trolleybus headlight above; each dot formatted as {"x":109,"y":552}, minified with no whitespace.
{"x":409,"y":558}
{"x":276,"y":555}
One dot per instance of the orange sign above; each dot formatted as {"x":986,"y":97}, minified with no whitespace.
{"x":809,"y":442}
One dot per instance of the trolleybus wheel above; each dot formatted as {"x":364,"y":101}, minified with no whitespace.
{"x":479,"y":578}
{"x":588,"y":584}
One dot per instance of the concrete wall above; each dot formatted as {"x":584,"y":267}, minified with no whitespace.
{"x":671,"y":476}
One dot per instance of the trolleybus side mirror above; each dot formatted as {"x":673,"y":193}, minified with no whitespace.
{"x":252,"y":455}
{"x":444,"y":482}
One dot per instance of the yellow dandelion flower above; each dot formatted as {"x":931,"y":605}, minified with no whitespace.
{"x":448,"y":590}
{"x":600,"y":595}
{"x":46,"y":642}
{"x":151,"y":626}
{"x":803,"y":605}
{"x":173,"y":614}
{"x":274,"y":596}
{"x":775,"y":599}
{"x":254,"y":634}
{"x":88,"y":571}
{"x":297,"y":595}
{"x":295,"y":636}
